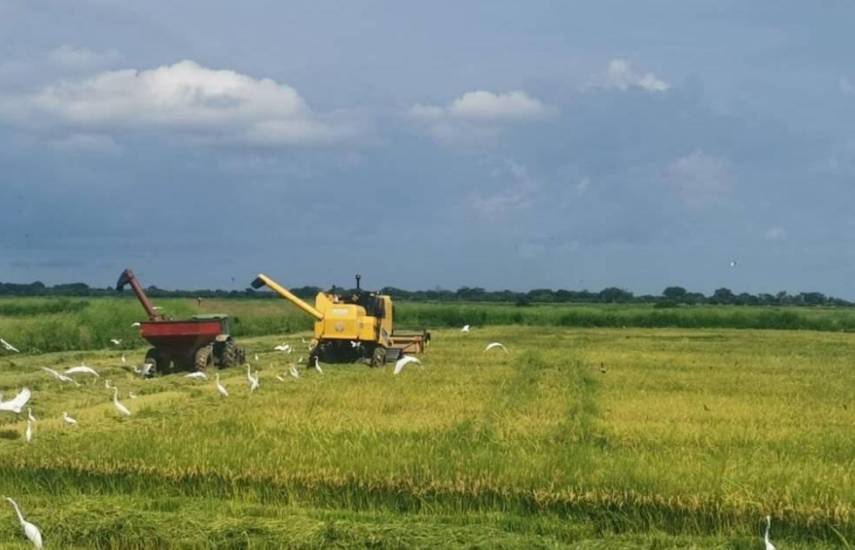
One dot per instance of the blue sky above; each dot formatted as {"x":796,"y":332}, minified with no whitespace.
{"x":495,"y":144}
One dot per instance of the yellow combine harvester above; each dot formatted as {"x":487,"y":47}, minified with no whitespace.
{"x":358,"y":326}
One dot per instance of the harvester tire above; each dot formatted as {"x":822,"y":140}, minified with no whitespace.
{"x":204,"y":358}
{"x":152,"y":357}
{"x":229,"y":357}
{"x":378,"y":358}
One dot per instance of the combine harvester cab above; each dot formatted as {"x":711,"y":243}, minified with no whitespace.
{"x":200,"y":342}
{"x":357,"y":326}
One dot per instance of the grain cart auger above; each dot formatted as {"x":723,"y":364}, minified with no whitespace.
{"x":349,"y":327}
{"x":199,"y":342}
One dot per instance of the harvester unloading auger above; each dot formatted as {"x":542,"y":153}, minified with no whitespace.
{"x":348,"y":327}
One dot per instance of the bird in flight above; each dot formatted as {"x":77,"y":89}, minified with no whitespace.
{"x":59,"y":376}
{"x":8,"y":346}
{"x":16,"y":403}
{"x":404,"y":361}
{"x":495,"y":345}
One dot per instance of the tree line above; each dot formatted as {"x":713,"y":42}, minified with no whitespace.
{"x":672,"y":296}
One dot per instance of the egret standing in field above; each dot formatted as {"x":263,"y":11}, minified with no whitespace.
{"x":29,"y":433}
{"x":495,"y":345}
{"x":253,"y":380}
{"x":465,"y":329}
{"x":68,"y":420}
{"x":116,"y":341}
{"x":30,"y":415}
{"x":198,"y":375}
{"x":404,"y":361}
{"x":136,"y":324}
{"x":318,"y":365}
{"x":293,"y":371}
{"x":8,"y":346}
{"x":123,"y":410}
{"x":221,"y":388}
{"x":769,"y":545}
{"x":30,"y":531}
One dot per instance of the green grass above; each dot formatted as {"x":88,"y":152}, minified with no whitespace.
{"x":590,"y":438}
{"x":37,"y":325}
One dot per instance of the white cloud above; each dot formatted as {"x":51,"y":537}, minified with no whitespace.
{"x":185,"y":98}
{"x":621,"y":75}
{"x":699,"y":178}
{"x":478,"y":115}
{"x":519,"y":194}
{"x":775,"y":234}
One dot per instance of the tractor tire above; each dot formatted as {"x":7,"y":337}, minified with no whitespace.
{"x":229,"y":357}
{"x":378,"y":358}
{"x":152,"y":357}
{"x":204,"y":358}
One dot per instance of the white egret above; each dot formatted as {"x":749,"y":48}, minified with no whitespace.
{"x":115,"y":341}
{"x":292,"y":370}
{"x":132,"y":395}
{"x":82,"y":369}
{"x":108,"y":385}
{"x":465,"y":329}
{"x":279,"y":377}
{"x":318,"y":365}
{"x":355,"y":344}
{"x":135,"y":324}
{"x":285,"y":348}
{"x":256,"y":357}
{"x":8,"y":346}
{"x":29,"y":433}
{"x":59,"y":376}
{"x":68,"y":420}
{"x":16,"y":403}
{"x":123,"y":359}
{"x":30,"y":531}
{"x":403,"y":361}
{"x":495,"y":345}
{"x":221,"y":388}
{"x":769,"y":545}
{"x":123,"y":410}
{"x":144,"y":370}
{"x":30,"y":414}
{"x":253,"y":380}
{"x":732,"y":263}
{"x":300,"y":360}
{"x":199,"y":375}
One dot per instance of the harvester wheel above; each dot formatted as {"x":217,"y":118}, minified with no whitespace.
{"x":204,"y":358}
{"x":152,"y":357}
{"x":229,"y":357}
{"x":378,"y":358}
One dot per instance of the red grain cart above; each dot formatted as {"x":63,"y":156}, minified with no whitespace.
{"x":200,"y":342}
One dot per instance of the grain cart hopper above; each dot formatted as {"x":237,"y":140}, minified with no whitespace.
{"x":355,"y":326}
{"x":199,"y":342}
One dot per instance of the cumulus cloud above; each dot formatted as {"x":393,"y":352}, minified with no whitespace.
{"x":621,"y":75}
{"x":699,"y":178}
{"x":477,"y":115}
{"x":185,"y":98}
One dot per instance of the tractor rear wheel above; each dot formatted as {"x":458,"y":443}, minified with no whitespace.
{"x":153,"y":358}
{"x":378,"y":358}
{"x":229,"y":358}
{"x":204,"y":358}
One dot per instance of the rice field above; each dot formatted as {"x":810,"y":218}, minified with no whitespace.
{"x":585,"y":438}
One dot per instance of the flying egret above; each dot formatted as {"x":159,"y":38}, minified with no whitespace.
{"x":115,"y":341}
{"x":495,"y":345}
{"x":82,"y":369}
{"x":732,"y":263}
{"x":769,"y":545}
{"x":29,"y":433}
{"x":68,"y":420}
{"x":135,"y":324}
{"x":123,"y":410}
{"x":16,"y":403}
{"x":318,"y":365}
{"x":403,"y":361}
{"x":292,"y":370}
{"x":30,"y":531}
{"x":197,"y":375}
{"x":30,"y":414}
{"x":8,"y":346}
{"x":59,"y":376}
{"x":465,"y":329}
{"x":221,"y":388}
